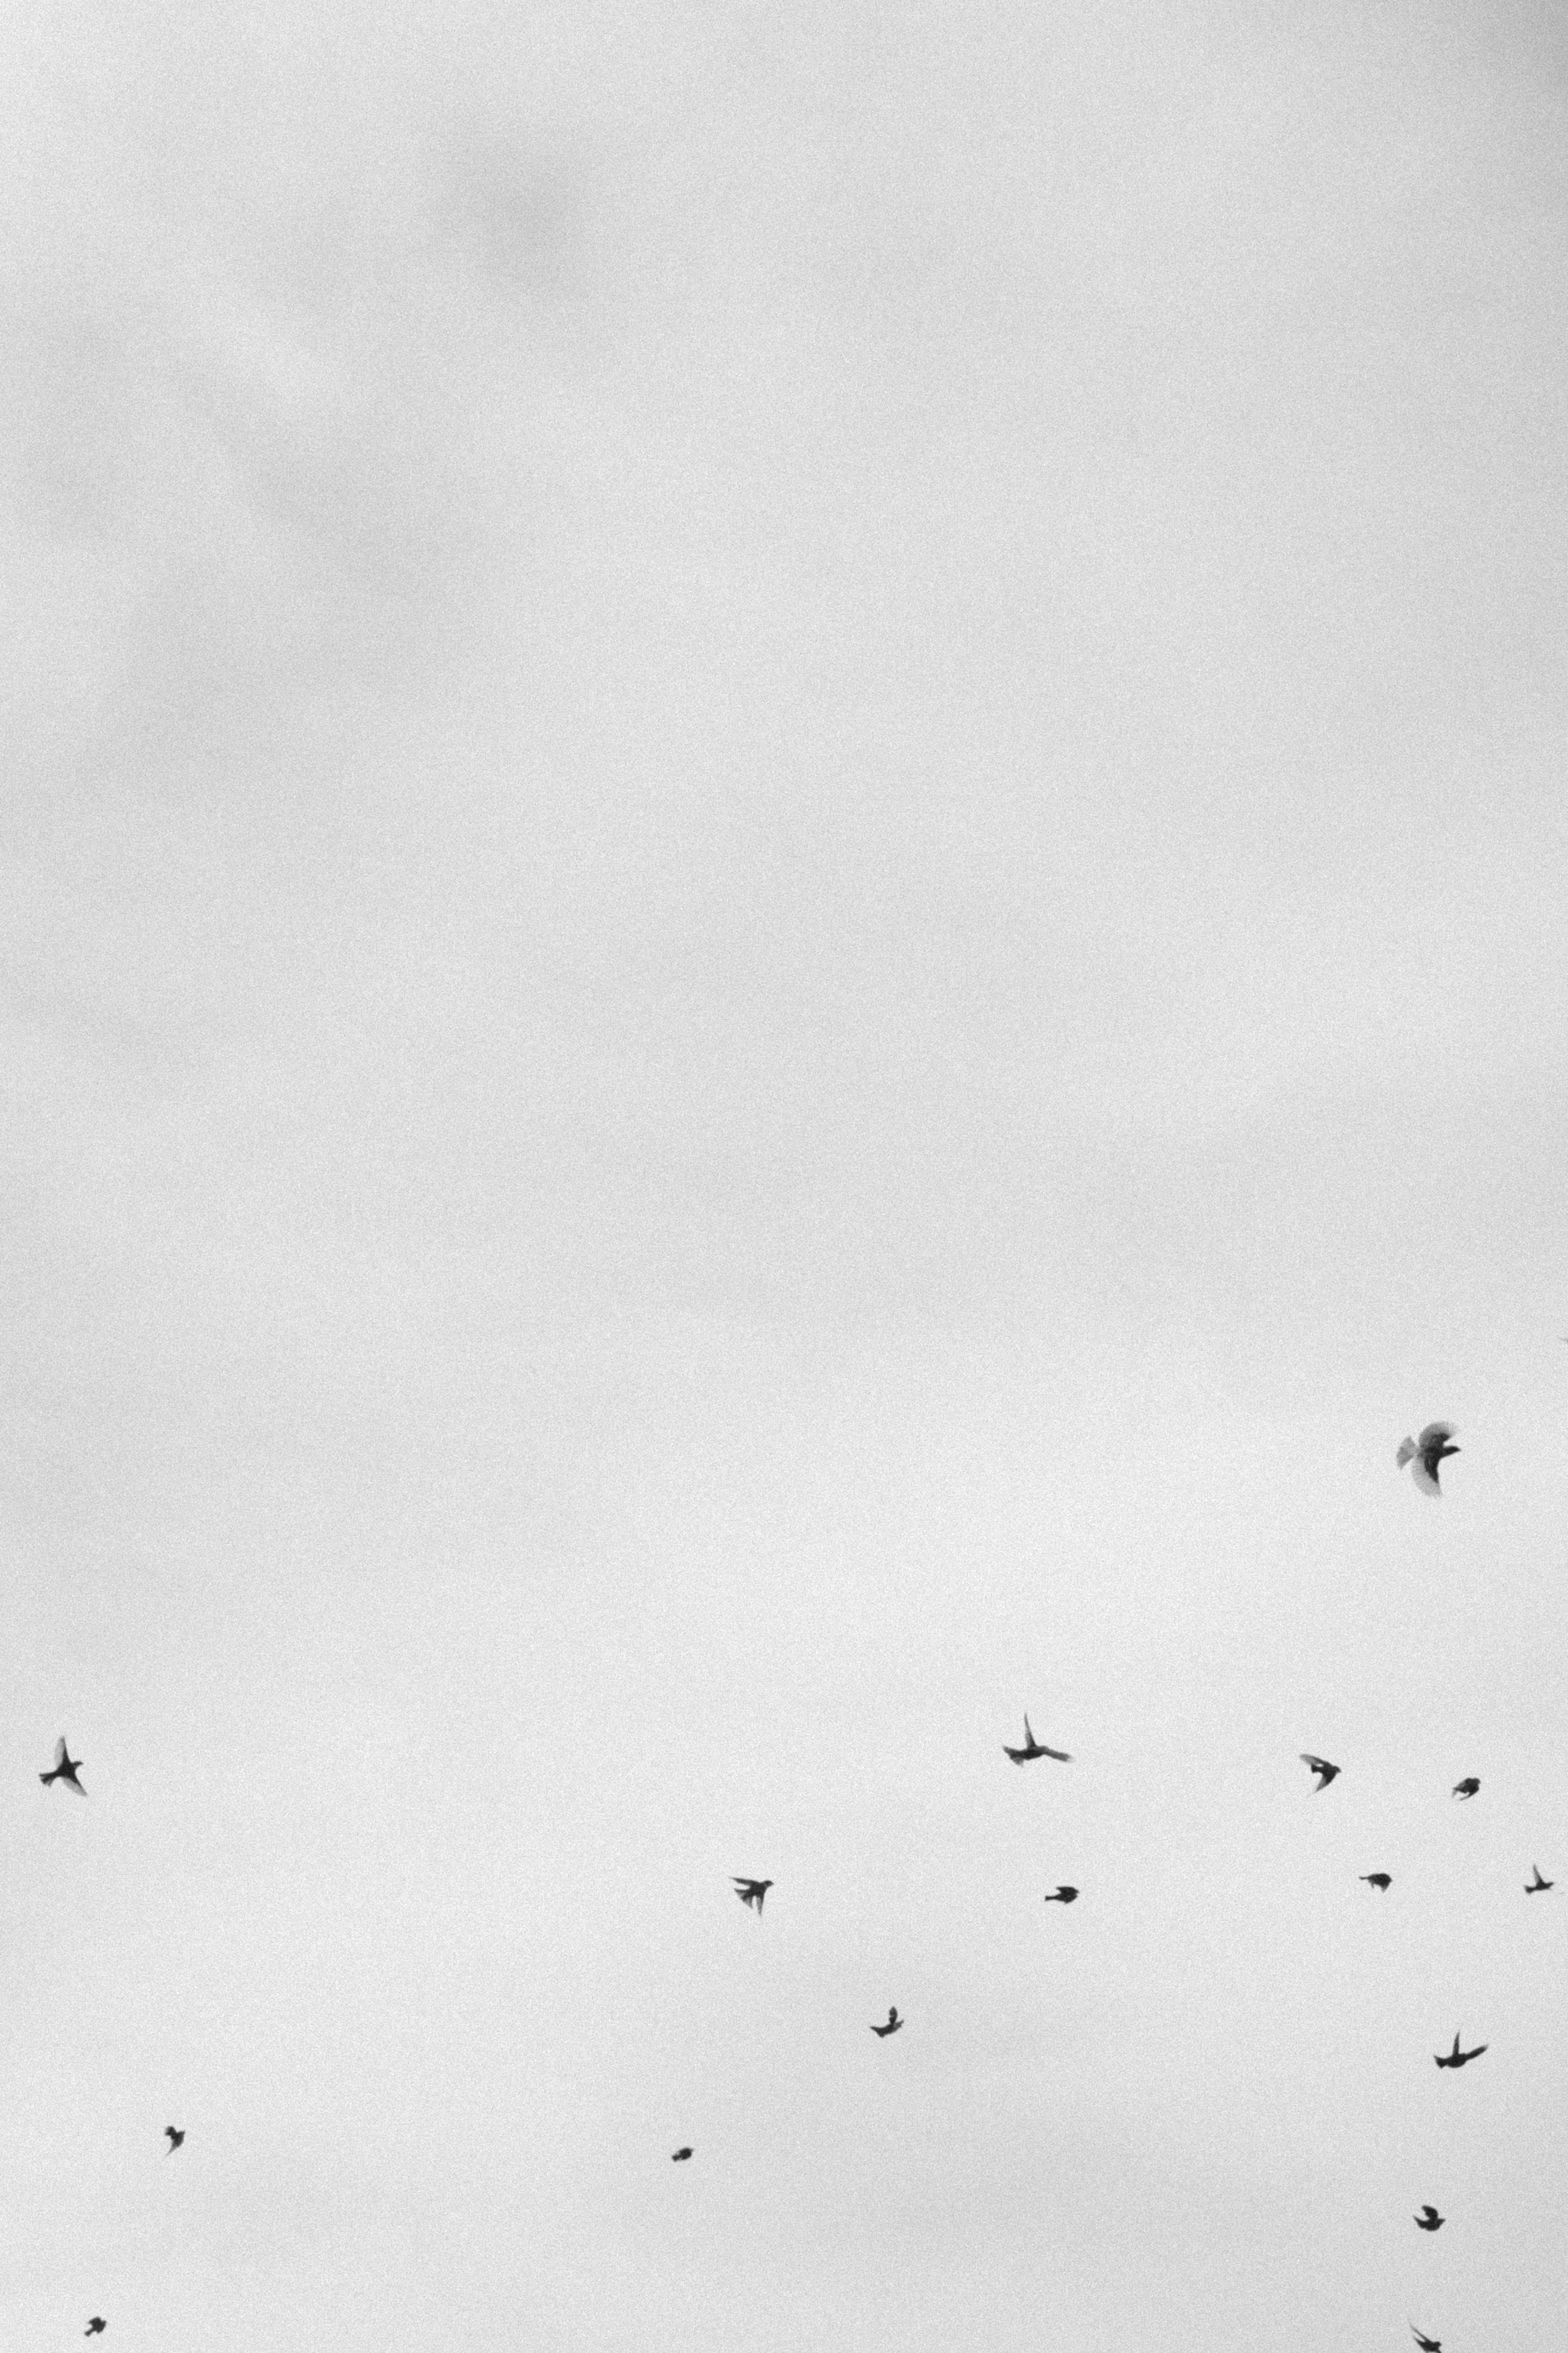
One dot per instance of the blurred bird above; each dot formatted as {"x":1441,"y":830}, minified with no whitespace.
{"x":1322,"y":1768}
{"x":1062,"y":1895}
{"x":1538,"y":1886}
{"x":1033,"y":1748}
{"x":894,"y":2023}
{"x":1429,"y":2219}
{"x":1377,"y":1879}
{"x":173,"y":2135}
{"x":1425,"y":1454}
{"x":95,"y":2326}
{"x":680,"y":2156}
{"x":66,"y":1770}
{"x":1467,"y":1787}
{"x":1458,"y":2058}
{"x":752,"y":1892}
{"x":1427,"y":2344}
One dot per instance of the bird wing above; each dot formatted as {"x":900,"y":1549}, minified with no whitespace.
{"x":1425,"y":1480}
{"x":59,"y":1754}
{"x":1435,"y":1433}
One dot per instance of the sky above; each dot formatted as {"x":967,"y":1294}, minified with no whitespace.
{"x":780,"y":961}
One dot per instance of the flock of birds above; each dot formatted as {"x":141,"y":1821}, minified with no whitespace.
{"x":1425,"y":1454}
{"x":68,"y":1770}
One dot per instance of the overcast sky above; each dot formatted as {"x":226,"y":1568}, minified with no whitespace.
{"x":782,"y":958}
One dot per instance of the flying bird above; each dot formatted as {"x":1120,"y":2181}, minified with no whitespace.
{"x":1427,"y":2344}
{"x":752,"y":1892}
{"x":894,"y":2023}
{"x":1062,"y":1895}
{"x":680,"y":2156}
{"x":1425,"y":1454}
{"x":173,"y":2135}
{"x":1379,"y":1879}
{"x":1458,"y":2058}
{"x":1033,"y":1748}
{"x":67,"y":1767}
{"x":1538,"y":1886}
{"x":1322,"y":1768}
{"x":1467,"y":1787}
{"x":1429,"y":2219}
{"x":95,"y":2326}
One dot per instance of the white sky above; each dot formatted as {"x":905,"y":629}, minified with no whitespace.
{"x":782,"y":958}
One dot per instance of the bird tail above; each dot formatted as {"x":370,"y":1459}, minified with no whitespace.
{"x":1405,"y":1453}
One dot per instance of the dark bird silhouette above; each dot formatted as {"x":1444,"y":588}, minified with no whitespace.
{"x":1427,"y":2344}
{"x":95,"y":2326}
{"x":1467,"y":1787}
{"x":1425,"y":1454}
{"x":680,"y":2156}
{"x":1322,"y":1768}
{"x":1377,"y":1879}
{"x":1062,"y":1895}
{"x":1538,"y":1886}
{"x":1458,"y":2058}
{"x":173,"y":2135}
{"x":752,"y":1892}
{"x":67,"y":1767}
{"x":894,"y":2023}
{"x":1429,"y":2219}
{"x":1033,"y":1748}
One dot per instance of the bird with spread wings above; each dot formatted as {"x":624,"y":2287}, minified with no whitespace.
{"x":1425,"y":1454}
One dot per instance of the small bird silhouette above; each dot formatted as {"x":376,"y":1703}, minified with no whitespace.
{"x":67,"y":1767}
{"x":1322,"y":1768}
{"x":173,"y":2135}
{"x":894,"y":2023}
{"x":680,"y":2156}
{"x":1538,"y":1886}
{"x":1425,"y":1454}
{"x":1467,"y":1787}
{"x":752,"y":1892}
{"x":1429,"y":2219}
{"x":1377,"y":1879}
{"x":95,"y":2326}
{"x":1427,"y":2344}
{"x":1033,"y":1748}
{"x":1458,"y":2058}
{"x":1062,"y":1895}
